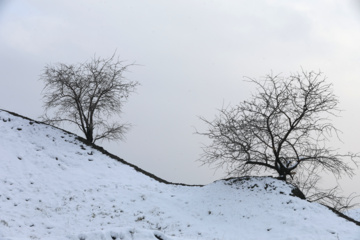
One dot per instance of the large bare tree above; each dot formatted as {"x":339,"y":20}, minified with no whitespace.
{"x":284,"y":126}
{"x":88,"y":95}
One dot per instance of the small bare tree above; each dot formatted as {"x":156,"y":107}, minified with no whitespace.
{"x":88,"y":95}
{"x":283,"y":127}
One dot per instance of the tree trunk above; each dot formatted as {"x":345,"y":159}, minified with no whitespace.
{"x":282,"y":173}
{"x":89,"y":135}
{"x":282,"y":177}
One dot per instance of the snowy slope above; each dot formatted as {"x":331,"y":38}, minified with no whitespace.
{"x":354,"y":213}
{"x":53,"y":186}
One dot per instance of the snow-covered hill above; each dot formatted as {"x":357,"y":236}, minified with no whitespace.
{"x":53,"y":186}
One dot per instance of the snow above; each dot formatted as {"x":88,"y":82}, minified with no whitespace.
{"x":354,"y":214}
{"x":53,"y":186}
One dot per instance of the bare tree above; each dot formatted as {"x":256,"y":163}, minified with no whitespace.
{"x":88,"y":95}
{"x":282,"y":128}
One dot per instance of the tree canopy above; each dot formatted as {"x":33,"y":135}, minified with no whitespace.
{"x":88,"y":95}
{"x":284,"y":126}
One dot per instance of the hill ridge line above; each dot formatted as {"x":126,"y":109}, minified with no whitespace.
{"x":138,"y":169}
{"x":105,"y":152}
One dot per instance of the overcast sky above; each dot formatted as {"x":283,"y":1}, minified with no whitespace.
{"x":192,"y":57}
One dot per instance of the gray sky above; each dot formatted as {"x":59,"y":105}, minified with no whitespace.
{"x":192,"y":55}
